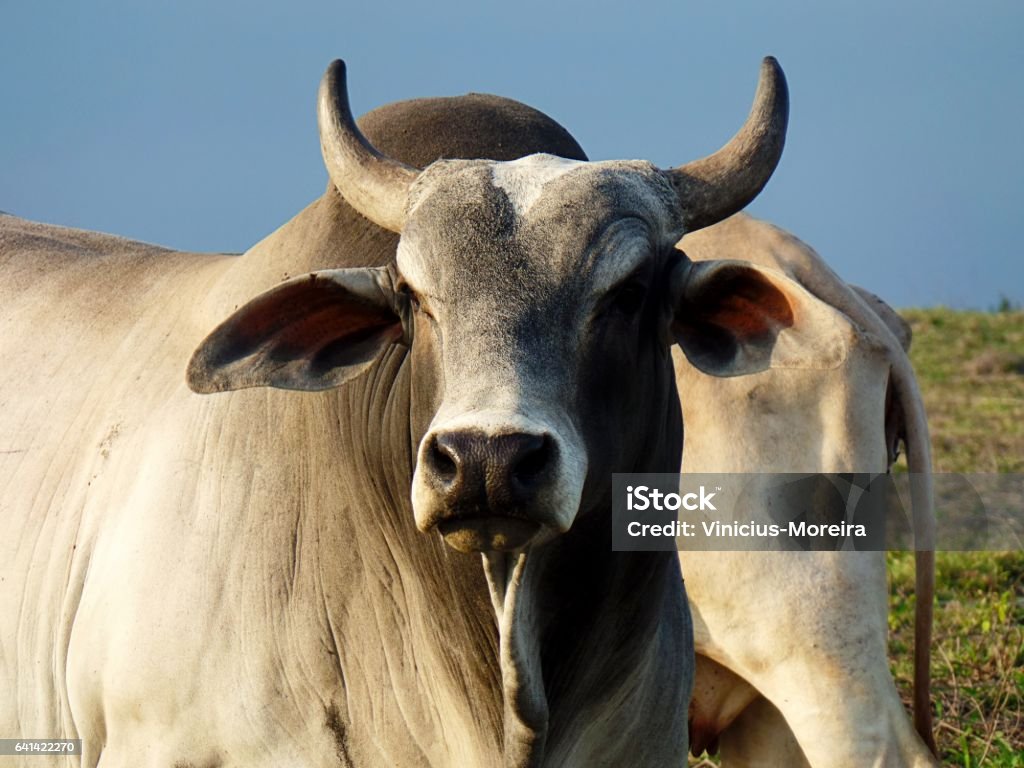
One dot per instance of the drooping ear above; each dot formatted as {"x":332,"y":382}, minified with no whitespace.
{"x":311,"y":333}
{"x":732,"y":319}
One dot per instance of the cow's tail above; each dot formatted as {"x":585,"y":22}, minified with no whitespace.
{"x":864,"y":308}
{"x":919,"y":463}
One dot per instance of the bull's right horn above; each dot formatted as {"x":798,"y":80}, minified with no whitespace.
{"x":374,"y":184}
{"x":717,"y":186}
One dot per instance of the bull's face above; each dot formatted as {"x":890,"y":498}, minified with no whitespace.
{"x":539,"y":317}
{"x":538,"y":298}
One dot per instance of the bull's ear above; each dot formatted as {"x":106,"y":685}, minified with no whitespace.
{"x":732,"y":318}
{"x":312,"y":332}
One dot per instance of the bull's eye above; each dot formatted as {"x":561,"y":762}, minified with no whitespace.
{"x":629,"y":299}
{"x":411,"y":297}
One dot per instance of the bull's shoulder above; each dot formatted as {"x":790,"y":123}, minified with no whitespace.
{"x":83,"y":312}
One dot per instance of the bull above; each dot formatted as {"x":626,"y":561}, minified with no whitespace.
{"x":248,"y":498}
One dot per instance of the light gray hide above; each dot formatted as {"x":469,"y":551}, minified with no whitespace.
{"x":237,"y":579}
{"x":792,"y":646}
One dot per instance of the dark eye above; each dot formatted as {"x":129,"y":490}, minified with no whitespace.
{"x":414,"y":302}
{"x":629,"y":299}
{"x":410,"y":296}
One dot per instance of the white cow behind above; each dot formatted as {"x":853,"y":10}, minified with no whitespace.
{"x":792,"y":665}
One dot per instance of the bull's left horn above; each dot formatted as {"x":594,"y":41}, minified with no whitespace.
{"x":375,"y":185}
{"x":717,"y":186}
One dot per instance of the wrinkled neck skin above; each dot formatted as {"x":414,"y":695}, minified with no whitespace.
{"x":592,"y":642}
{"x":576,"y":678}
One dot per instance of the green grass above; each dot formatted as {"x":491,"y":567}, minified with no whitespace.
{"x":970,"y":366}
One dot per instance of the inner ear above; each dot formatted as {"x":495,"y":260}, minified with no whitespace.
{"x":732,"y":318}
{"x":310,"y":333}
{"x":716,"y":319}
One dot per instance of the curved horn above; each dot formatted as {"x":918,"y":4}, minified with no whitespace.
{"x":373,"y":184}
{"x":717,"y":186}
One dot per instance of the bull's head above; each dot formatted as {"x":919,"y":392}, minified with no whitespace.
{"x":539,"y":298}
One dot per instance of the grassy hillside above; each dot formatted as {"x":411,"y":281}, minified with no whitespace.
{"x":971,"y":369}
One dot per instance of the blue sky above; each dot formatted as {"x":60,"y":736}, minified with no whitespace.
{"x":192,"y":124}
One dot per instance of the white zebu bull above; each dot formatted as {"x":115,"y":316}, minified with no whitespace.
{"x":792,"y":664}
{"x":225,"y":572}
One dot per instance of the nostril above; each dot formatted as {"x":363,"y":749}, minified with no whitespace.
{"x":476,"y":473}
{"x":443,"y":461}
{"x":533,"y":459}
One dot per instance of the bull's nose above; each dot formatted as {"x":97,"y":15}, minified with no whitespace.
{"x":497,"y":482}
{"x":478,"y":473}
